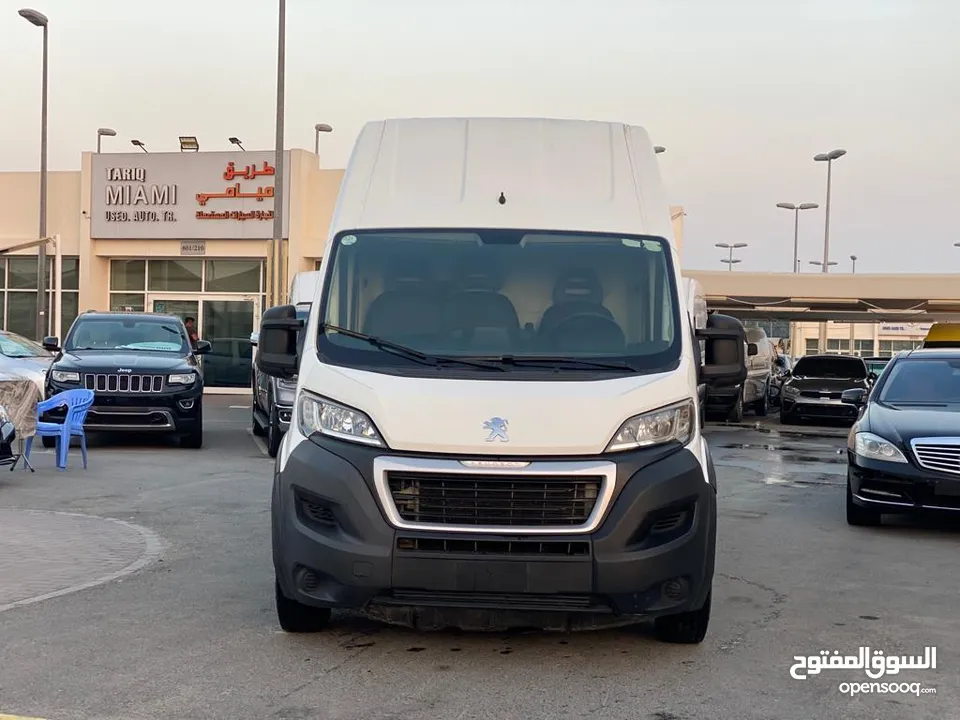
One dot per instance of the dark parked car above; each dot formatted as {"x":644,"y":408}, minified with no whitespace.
{"x":813,"y":389}
{"x":876,"y":364}
{"x":143,"y":373}
{"x":903,"y":452}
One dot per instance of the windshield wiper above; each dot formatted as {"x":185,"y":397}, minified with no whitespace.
{"x":410,"y":353}
{"x":555,"y":363}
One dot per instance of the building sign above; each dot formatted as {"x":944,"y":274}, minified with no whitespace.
{"x":917,"y":329}
{"x":186,"y":196}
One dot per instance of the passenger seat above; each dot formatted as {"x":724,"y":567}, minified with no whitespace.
{"x":480,"y":315}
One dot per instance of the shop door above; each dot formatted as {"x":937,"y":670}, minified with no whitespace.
{"x":226,"y":322}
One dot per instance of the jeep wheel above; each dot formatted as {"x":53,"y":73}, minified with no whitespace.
{"x":194,"y":439}
{"x":49,"y":441}
{"x":274,"y":436}
{"x":736,"y":412}
{"x":254,"y":423}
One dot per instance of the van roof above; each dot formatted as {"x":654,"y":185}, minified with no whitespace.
{"x":553,"y":174}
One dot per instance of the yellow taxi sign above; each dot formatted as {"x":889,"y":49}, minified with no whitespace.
{"x":942,"y":335}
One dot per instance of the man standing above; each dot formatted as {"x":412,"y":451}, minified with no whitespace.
{"x":190,"y":324}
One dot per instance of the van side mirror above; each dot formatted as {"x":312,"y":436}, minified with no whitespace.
{"x":254,"y":338}
{"x":203,"y":347}
{"x":277,"y":352}
{"x":51,"y":343}
{"x":725,"y":362}
{"x":752,"y":349}
{"x":854,"y":396}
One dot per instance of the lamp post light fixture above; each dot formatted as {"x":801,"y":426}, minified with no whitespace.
{"x":139,"y":144}
{"x":796,"y":228}
{"x":40,"y":20}
{"x":730,"y":262}
{"x":104,"y":132}
{"x":853,"y":260}
{"x":236,"y":141}
{"x":317,"y":129}
{"x":819,"y":263}
{"x":188,"y":143}
{"x":657,"y":149}
{"x":731,"y":247}
{"x":828,"y":158}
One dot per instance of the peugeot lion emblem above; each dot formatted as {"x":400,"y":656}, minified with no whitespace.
{"x":497,"y":428}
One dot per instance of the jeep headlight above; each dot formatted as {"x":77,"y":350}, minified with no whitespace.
{"x":874,"y":447}
{"x":319,"y":415}
{"x":182,"y":379}
{"x":65,"y":376}
{"x":668,"y":424}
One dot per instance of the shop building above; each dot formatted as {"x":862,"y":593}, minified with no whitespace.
{"x":188,"y":233}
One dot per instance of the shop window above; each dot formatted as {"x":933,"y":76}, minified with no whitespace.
{"x":69,"y":309}
{"x":70,"y":273}
{"x":317,"y":264}
{"x":22,"y":273}
{"x":22,"y":312}
{"x":233,"y":276}
{"x":175,"y":275}
{"x":133,"y":302}
{"x":3,"y":276}
{"x":128,"y":275}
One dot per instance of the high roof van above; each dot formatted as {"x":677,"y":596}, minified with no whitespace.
{"x":497,"y":401}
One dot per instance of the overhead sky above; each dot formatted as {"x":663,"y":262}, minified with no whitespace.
{"x":743,"y":94}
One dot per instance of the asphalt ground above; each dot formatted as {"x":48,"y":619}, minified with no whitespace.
{"x":166,"y":607}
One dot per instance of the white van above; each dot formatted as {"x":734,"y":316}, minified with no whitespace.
{"x":497,"y":402}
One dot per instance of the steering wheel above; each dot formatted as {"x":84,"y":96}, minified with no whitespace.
{"x":596,"y":321}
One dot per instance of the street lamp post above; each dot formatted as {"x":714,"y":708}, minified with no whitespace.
{"x":730,"y":262}
{"x":40,"y":20}
{"x":317,"y":129}
{"x":104,"y":132}
{"x":273,"y":296}
{"x":828,"y":158}
{"x":796,"y":228}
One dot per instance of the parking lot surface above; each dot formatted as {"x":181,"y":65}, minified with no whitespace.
{"x":166,"y":606}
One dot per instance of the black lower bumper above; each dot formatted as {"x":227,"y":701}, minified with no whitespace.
{"x":796,"y":407}
{"x":177,"y":412}
{"x":902,"y":488}
{"x":652,"y":554}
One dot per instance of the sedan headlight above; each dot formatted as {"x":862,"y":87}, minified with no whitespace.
{"x":874,"y":447}
{"x":182,"y":379}
{"x":672,"y":423}
{"x":65,"y":376}
{"x":790,"y":390}
{"x":319,"y":415}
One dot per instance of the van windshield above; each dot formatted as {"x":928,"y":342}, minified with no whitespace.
{"x":520,"y":300}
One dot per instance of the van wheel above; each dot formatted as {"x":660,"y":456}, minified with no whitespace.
{"x":689,"y":628}
{"x":762,"y":406}
{"x":296,"y":617}
{"x":736,"y":412}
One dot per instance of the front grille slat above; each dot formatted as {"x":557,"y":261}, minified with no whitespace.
{"x":449,"y":498}
{"x":123,"y":383}
{"x":942,"y":457}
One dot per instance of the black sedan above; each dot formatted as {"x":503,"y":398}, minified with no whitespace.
{"x":903,"y":452}
{"x":812,"y":389}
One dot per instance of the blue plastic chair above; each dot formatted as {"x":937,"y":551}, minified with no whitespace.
{"x":78,"y":403}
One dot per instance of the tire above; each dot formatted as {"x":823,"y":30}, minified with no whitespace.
{"x":860,"y":516}
{"x":254,"y":424}
{"x":689,"y":628}
{"x":736,"y":412}
{"x":786,"y":418}
{"x":762,"y":406}
{"x":194,"y":439}
{"x":274,"y":436}
{"x":296,"y":617}
{"x":49,"y":442}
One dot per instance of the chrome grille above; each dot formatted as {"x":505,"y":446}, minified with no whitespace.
{"x":117,"y":383}
{"x":939,"y":454}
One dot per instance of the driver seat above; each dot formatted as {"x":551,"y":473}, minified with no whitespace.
{"x":575,"y":292}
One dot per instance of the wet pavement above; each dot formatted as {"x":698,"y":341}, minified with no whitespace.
{"x":193,"y":634}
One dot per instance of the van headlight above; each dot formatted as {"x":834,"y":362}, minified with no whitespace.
{"x":319,"y":415}
{"x":874,"y":447}
{"x":668,"y":424}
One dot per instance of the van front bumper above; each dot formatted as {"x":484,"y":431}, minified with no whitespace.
{"x":652,"y":553}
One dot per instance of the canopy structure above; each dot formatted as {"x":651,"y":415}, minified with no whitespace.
{"x":839,"y":297}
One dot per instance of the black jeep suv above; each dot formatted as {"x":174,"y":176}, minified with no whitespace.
{"x":144,"y":374}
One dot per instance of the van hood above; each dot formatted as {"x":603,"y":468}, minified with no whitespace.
{"x":438,"y":415}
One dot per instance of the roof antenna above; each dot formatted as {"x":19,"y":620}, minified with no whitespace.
{"x":502,"y":199}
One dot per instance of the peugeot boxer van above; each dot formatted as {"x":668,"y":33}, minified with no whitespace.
{"x":497,"y":391}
